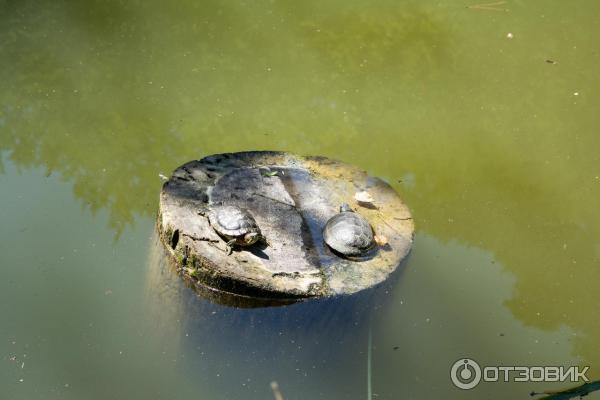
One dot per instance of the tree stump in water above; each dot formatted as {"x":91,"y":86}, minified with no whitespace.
{"x":291,"y":198}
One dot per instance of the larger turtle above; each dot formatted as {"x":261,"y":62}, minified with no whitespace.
{"x":348,"y":233}
{"x":234,"y":224}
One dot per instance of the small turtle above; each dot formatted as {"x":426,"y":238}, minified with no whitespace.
{"x":348,"y":233}
{"x":234,"y":224}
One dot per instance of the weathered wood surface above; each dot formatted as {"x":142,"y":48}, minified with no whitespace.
{"x":291,"y":208}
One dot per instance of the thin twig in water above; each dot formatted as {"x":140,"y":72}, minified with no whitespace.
{"x":369,"y":346}
{"x":276,"y":391}
{"x":489,"y":6}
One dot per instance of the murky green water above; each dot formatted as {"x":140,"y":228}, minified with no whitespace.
{"x":492,"y":139}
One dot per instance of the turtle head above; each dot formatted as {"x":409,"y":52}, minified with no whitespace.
{"x":345,"y":207}
{"x":251,"y":238}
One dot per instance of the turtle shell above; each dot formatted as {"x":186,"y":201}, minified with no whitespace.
{"x":232,"y":221}
{"x":349,"y":234}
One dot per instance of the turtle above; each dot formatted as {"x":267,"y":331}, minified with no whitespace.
{"x":348,"y":233}
{"x":234,"y":224}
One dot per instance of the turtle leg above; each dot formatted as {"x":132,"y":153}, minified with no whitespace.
{"x":230,"y":246}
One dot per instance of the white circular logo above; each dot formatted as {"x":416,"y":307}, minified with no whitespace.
{"x":465,"y":373}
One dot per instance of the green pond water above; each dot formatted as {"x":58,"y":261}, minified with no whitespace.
{"x":484,"y":119}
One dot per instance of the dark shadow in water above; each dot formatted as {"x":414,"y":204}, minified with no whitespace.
{"x":317,"y":348}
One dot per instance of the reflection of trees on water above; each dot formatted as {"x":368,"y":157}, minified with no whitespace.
{"x":540,"y":234}
{"x":90,"y":96}
{"x":110,"y":95}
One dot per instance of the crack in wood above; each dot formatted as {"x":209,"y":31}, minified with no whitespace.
{"x":200,"y":239}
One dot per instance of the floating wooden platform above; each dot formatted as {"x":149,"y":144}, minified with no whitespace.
{"x":291,"y":197}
